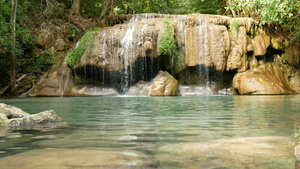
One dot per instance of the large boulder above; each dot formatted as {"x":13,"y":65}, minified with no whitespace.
{"x":266,"y":79}
{"x":11,"y":116}
{"x":164,"y":85}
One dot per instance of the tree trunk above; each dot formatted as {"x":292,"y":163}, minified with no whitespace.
{"x":112,"y":7}
{"x":75,"y":7}
{"x":108,"y":3}
{"x":13,"y":50}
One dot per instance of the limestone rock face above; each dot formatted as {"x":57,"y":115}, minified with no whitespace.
{"x":267,"y":79}
{"x":164,"y":85}
{"x":52,"y":84}
{"x":237,"y":58}
{"x":119,"y":46}
{"x":11,"y":116}
{"x":204,"y":41}
{"x":121,"y":54}
{"x":260,"y":43}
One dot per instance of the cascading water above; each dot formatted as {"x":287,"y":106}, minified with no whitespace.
{"x":127,"y":53}
{"x":125,"y":56}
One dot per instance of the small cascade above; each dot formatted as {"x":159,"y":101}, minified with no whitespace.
{"x":204,"y":55}
{"x":203,"y":77}
{"x":66,"y":82}
{"x":127,"y":53}
{"x":140,"y":17}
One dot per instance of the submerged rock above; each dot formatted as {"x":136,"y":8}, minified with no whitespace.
{"x":164,"y":85}
{"x":251,"y":152}
{"x":79,"y":158}
{"x":266,"y":79}
{"x":11,"y":116}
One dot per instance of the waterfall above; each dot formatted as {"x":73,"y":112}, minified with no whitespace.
{"x":127,"y":52}
{"x":204,"y":55}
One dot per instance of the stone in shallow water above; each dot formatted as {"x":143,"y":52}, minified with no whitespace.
{"x":11,"y":111}
{"x":78,"y":158}
{"x":11,"y":116}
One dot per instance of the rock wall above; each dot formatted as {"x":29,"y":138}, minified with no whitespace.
{"x":127,"y":53}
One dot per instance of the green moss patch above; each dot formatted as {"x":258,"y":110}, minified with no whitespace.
{"x":173,"y":57}
{"x":86,"y":42}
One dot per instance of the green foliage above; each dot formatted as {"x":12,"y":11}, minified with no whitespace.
{"x":24,"y":43}
{"x":87,"y":41}
{"x":166,"y":40}
{"x":92,"y":8}
{"x":208,"y":6}
{"x":179,"y":61}
{"x":167,"y":47}
{"x":283,"y":13}
{"x":41,"y":62}
{"x":153,"y":6}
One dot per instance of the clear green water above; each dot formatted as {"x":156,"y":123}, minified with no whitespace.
{"x":151,"y":124}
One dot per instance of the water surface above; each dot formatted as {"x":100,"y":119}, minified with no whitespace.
{"x":163,"y":132}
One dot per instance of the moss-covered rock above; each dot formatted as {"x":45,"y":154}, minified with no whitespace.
{"x":86,"y":43}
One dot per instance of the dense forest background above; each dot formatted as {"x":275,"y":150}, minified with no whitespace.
{"x":21,"y":21}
